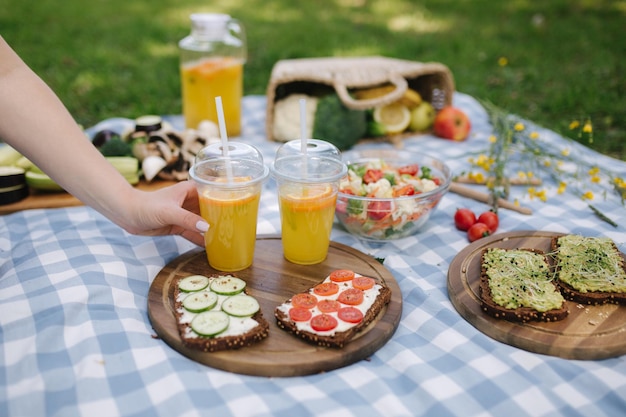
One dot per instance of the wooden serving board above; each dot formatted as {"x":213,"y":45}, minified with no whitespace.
{"x":56,"y":199}
{"x":271,"y":280}
{"x":588,"y":333}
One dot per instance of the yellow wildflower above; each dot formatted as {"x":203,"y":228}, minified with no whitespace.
{"x":574,"y":124}
{"x":503,"y":61}
{"x":477,"y":177}
{"x":588,"y":128}
{"x":542,"y":195}
{"x":484,"y":162}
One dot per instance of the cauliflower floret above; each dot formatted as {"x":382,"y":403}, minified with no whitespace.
{"x":428,"y":185}
{"x":379,"y":189}
{"x":376,"y":164}
{"x":404,"y":208}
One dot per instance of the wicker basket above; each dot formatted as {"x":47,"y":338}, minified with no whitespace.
{"x":320,"y":76}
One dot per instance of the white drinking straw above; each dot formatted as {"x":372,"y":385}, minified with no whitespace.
{"x":303,"y":136}
{"x":224,"y":136}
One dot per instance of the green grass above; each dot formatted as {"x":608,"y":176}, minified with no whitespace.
{"x":566,"y":58}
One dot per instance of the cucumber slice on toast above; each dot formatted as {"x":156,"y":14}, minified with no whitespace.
{"x":240,"y":305}
{"x":200,"y":301}
{"x":193,"y":283}
{"x":210,"y":323}
{"x":228,"y":285}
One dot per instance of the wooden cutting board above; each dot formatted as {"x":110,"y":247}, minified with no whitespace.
{"x":272,"y":280}
{"x":57,"y":199}
{"x":589,"y":332}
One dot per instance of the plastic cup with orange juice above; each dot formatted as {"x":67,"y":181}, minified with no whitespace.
{"x":229,"y":191}
{"x":307,"y":194}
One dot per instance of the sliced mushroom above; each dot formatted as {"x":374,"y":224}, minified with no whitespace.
{"x":151,"y":166}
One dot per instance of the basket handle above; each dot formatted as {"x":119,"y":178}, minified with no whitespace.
{"x":397,"y":80}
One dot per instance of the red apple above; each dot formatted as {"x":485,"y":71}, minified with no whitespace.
{"x":452,"y":123}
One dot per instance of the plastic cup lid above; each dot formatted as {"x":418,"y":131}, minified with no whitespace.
{"x":321,"y":164}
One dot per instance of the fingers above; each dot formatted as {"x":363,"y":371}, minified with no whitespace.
{"x":193,"y":237}
{"x":185,"y":216}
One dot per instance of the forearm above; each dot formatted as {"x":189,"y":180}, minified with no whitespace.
{"x":92,"y":179}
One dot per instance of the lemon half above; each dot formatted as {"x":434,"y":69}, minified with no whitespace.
{"x":396,"y":117}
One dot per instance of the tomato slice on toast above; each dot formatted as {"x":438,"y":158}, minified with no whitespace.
{"x":341,"y":275}
{"x":304,"y":300}
{"x":351,"y":296}
{"x":323,"y":322}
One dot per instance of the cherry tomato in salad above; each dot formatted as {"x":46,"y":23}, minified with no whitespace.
{"x":351,"y":297}
{"x":328,"y":306}
{"x":377,"y":210}
{"x":325,"y":289}
{"x":363,"y":283}
{"x":489,"y":218}
{"x":300,"y":314}
{"x":372,"y":175}
{"x":323,"y":322}
{"x":464,"y":219}
{"x":350,"y":315}
{"x":412,"y":169}
{"x":477,"y":231}
{"x":341,"y":275}
{"x":304,"y":300}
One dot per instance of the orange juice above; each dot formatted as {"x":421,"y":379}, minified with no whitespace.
{"x":206,"y":79}
{"x":232,"y":218}
{"x":307,"y":213}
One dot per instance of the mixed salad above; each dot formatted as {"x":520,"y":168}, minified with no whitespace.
{"x":385,"y":210}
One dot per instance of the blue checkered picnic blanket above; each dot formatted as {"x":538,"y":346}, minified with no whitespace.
{"x":75,"y":338}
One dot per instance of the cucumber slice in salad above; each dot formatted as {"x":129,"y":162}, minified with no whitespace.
{"x":193,"y":283}
{"x":200,"y":301}
{"x":240,"y":306}
{"x":228,"y":285}
{"x":210,"y":323}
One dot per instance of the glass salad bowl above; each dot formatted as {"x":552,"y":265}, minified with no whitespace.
{"x":388,"y":193}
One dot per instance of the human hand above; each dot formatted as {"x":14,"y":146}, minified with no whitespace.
{"x":171,"y":210}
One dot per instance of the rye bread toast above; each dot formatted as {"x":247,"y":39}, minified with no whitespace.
{"x":380,"y":296}
{"x":590,"y":270}
{"x":251,"y":333}
{"x":517,"y":284}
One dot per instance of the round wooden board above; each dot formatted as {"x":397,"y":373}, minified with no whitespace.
{"x":271,"y":280}
{"x":588,"y":333}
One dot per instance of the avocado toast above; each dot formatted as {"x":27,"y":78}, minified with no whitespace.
{"x":517,"y":285}
{"x":590,"y":270}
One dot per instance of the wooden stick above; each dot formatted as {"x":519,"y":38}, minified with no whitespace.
{"x":464,"y":179}
{"x":486,"y":198}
